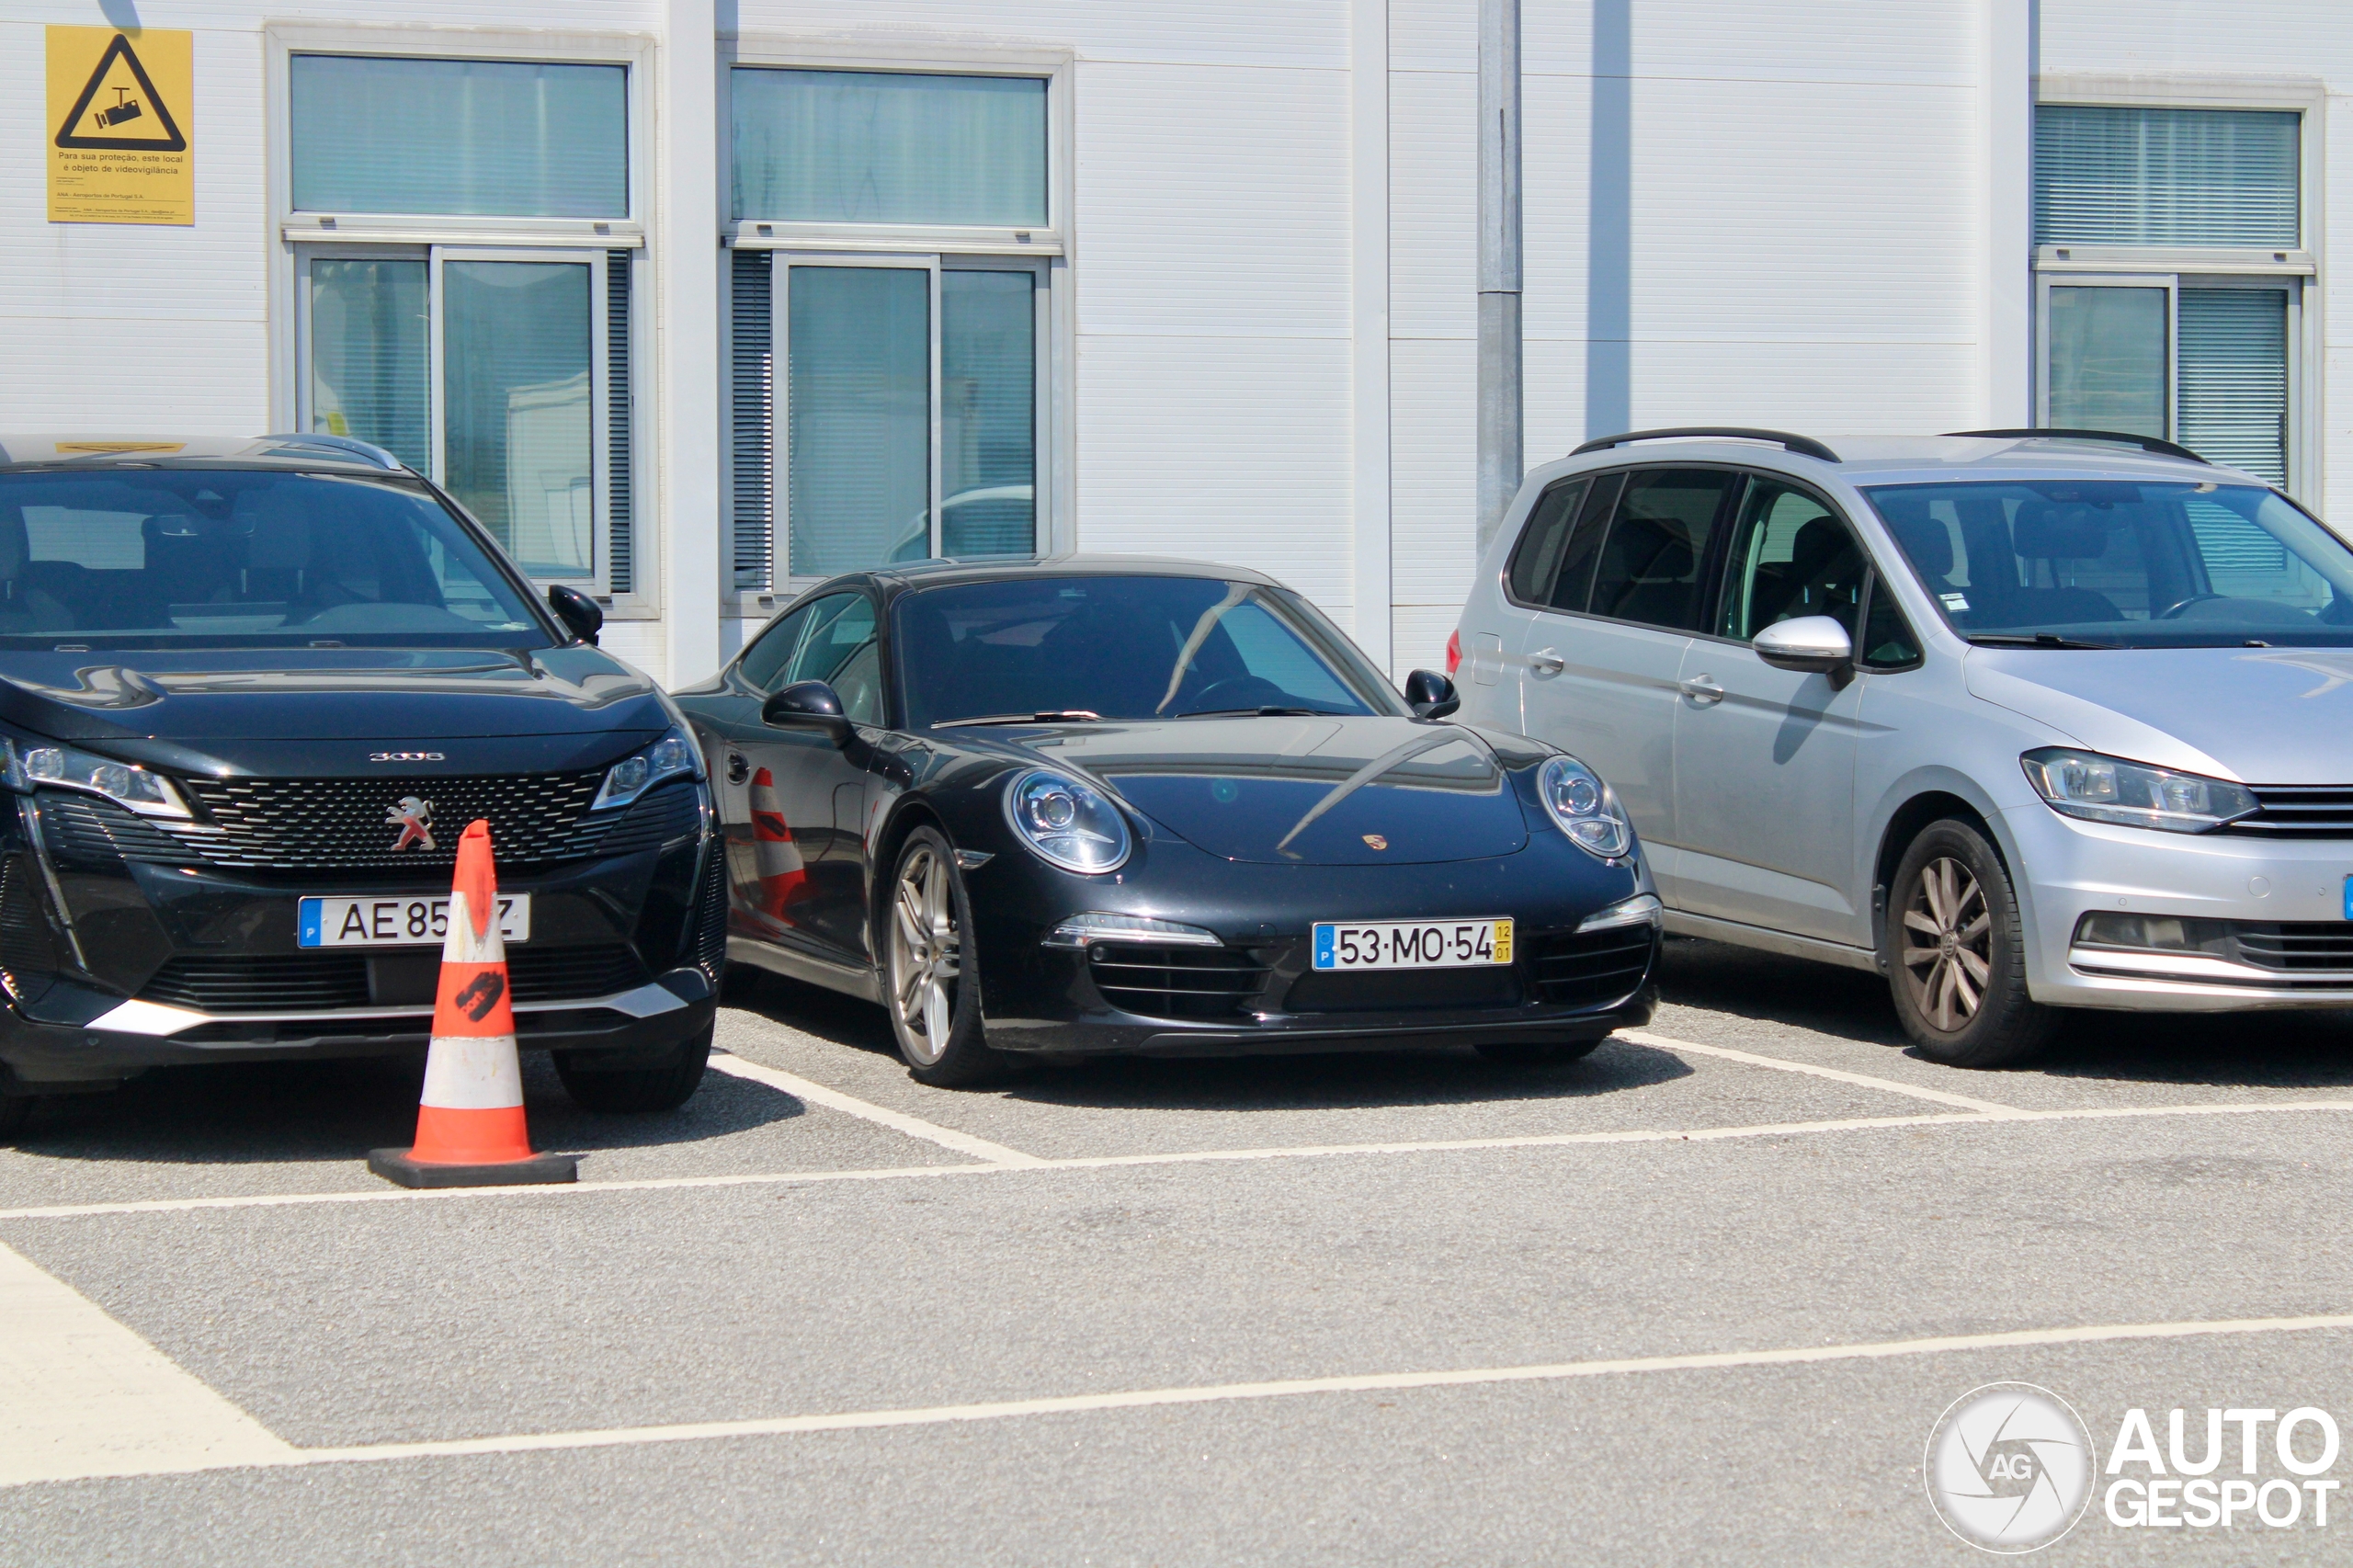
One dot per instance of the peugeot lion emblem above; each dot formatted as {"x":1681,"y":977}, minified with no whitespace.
{"x":1375,"y":840}
{"x":415,"y":819}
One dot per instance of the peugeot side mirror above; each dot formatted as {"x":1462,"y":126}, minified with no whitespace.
{"x":1431,"y":695}
{"x":807,"y":705}
{"x":1811,"y":644}
{"x":578,"y":612}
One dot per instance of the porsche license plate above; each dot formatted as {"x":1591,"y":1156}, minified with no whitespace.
{"x":396,"y":922}
{"x":1416,"y":944}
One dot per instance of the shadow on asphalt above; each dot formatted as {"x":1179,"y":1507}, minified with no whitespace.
{"x":2288,"y":1049}
{"x":246,"y":1113}
{"x":1325,"y":1081}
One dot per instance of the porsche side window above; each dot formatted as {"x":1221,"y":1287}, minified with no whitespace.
{"x":764,"y":661}
{"x":840,"y":627}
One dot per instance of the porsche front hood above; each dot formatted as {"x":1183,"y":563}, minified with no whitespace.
{"x":1335,"y":790}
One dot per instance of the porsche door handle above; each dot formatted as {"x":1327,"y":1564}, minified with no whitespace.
{"x":1545,"y":661}
{"x":1703,"y":691}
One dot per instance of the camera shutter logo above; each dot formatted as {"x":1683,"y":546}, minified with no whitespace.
{"x":2009,"y":1467}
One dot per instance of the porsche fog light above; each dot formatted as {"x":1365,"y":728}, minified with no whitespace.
{"x":1069,"y":823}
{"x":1643,"y":909}
{"x":1079,"y":930}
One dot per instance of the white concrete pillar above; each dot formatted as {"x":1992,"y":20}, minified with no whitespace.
{"x":2006,"y":65}
{"x":685,"y":340}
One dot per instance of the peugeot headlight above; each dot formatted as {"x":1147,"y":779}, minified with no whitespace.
{"x":149,"y":794}
{"x":1069,"y":823}
{"x":674,"y":756}
{"x":2107,"y":789}
{"x":1584,"y":809}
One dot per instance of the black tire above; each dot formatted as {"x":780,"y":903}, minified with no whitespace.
{"x":1955,"y":955}
{"x":1515,"y":1053}
{"x":930,"y":972}
{"x":14,"y":1111}
{"x":635,"y":1090}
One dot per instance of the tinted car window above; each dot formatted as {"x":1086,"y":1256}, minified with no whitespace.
{"x":1536,"y":563}
{"x":162,"y":558}
{"x":1123,"y":647}
{"x":839,"y":648}
{"x":2128,"y":563}
{"x":1790,"y":556}
{"x":1887,"y":641}
{"x":1650,"y":565}
{"x":763,"y":662}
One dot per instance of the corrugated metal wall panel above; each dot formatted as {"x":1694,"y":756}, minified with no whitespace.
{"x":1220,"y":449}
{"x":1432,"y":486}
{"x":1253,"y":32}
{"x":1215,"y":201}
{"x":1433,"y":204}
{"x":1922,"y":40}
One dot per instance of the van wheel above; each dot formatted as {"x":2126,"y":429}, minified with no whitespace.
{"x":631,"y":1090}
{"x":1955,"y":957}
{"x":932,"y":973}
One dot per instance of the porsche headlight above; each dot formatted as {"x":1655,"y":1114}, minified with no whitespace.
{"x":149,"y":794}
{"x":1069,"y":824}
{"x":673,"y":757}
{"x":1583,"y":808}
{"x":2107,"y":789}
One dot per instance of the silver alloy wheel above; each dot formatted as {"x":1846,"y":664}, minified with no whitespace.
{"x":1948,"y":934}
{"x":924,"y":949}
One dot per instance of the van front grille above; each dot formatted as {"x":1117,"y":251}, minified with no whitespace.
{"x":2297,"y":811}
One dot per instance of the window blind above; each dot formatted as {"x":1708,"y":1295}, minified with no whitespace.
{"x":504,"y":138}
{"x":752,"y":424}
{"x":2233,"y":370}
{"x":620,"y":556}
{"x":2120,"y":176}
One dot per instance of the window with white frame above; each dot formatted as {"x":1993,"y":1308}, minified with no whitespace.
{"x":2171,"y":264}
{"x":446,"y":311}
{"x":888,"y":317}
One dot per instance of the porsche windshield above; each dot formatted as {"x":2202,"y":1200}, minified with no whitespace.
{"x":1106,"y":647}
{"x":162,"y":558}
{"x":2109,"y":564}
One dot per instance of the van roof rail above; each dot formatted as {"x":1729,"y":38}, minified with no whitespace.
{"x":342,"y":444}
{"x":1805,"y":446}
{"x":2121,"y":437}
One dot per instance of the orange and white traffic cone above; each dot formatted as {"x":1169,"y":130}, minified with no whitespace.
{"x":470,"y":1128}
{"x":783,"y":875}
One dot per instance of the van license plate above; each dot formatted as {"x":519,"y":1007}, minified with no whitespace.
{"x":396,"y":922}
{"x":1413,"y":944}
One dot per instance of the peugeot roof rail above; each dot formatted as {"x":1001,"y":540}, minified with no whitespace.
{"x":1805,"y":446}
{"x":2121,"y":437}
{"x":344,"y":444}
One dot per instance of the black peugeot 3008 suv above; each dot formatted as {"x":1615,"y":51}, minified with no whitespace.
{"x":251,"y":693}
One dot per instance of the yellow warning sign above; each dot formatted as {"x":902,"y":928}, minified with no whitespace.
{"x":121,"y":140}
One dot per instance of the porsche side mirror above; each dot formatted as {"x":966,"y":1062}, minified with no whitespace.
{"x":807,"y":705}
{"x":578,"y":612}
{"x":1431,"y":695}
{"x":1811,"y":644}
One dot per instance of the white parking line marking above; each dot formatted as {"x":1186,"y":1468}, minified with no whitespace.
{"x":81,"y":1395}
{"x":1136,"y":1399}
{"x":1194,"y":1157}
{"x":898,"y":1121}
{"x":1668,"y":1042}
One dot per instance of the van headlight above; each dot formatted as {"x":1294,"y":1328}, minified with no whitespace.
{"x":674,"y":756}
{"x":2107,"y":789}
{"x":1583,"y":808}
{"x":1069,"y":824}
{"x":149,"y":794}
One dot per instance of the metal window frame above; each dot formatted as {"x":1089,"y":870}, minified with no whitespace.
{"x":2301,"y":271}
{"x":434,"y":256}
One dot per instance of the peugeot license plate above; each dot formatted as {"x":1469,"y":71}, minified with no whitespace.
{"x":396,"y":922}
{"x":1413,"y":944}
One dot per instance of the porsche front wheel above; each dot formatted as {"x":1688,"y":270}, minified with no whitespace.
{"x":934,"y":993}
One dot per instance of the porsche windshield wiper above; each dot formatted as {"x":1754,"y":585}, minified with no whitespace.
{"x":2033,"y":640}
{"x":1052,"y":716}
{"x":1252,"y":713}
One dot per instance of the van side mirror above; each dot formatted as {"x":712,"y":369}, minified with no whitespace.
{"x":580,"y":614}
{"x":1811,"y":644}
{"x":1431,"y":695}
{"x":807,"y":705}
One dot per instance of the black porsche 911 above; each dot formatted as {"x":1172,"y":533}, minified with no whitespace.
{"x":1067,"y":807}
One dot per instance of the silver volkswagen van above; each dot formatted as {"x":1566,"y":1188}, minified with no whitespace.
{"x":2021,"y":719}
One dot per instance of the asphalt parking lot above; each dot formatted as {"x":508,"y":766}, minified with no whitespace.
{"x":1699,"y":1296}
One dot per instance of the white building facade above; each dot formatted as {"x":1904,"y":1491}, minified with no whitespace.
{"x":694,"y":303}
